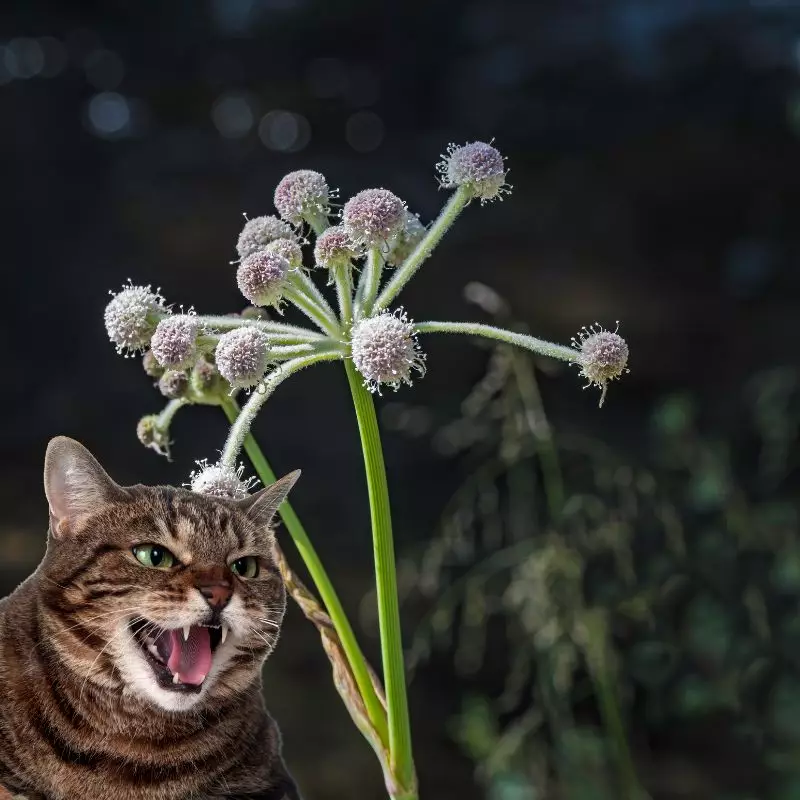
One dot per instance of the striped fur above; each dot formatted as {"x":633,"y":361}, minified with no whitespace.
{"x":78,"y":718}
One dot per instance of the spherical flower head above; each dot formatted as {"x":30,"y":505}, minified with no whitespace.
{"x":385,"y":350}
{"x":407,"y":238}
{"x":373,"y":217}
{"x":262,"y":278}
{"x":302,"y":195}
{"x":477,"y":166}
{"x":258,"y":232}
{"x":243,"y":357}
{"x":334,"y":248}
{"x":602,"y":356}
{"x":220,"y":480}
{"x":174,"y":383}
{"x":151,"y":366}
{"x":152,"y":435}
{"x":174,"y":343}
{"x":205,"y":378}
{"x":132,"y":316}
{"x":288,"y":249}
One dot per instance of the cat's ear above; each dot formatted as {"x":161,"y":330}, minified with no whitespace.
{"x":75,"y":484}
{"x":262,"y":506}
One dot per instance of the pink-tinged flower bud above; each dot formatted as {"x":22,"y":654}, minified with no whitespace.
{"x":218,"y":480}
{"x":152,"y":435}
{"x":132,"y":316}
{"x":243,"y":357}
{"x":288,"y":249}
{"x":262,"y":278}
{"x":477,"y":166}
{"x":334,"y":248}
{"x":151,"y":366}
{"x":407,"y":238}
{"x":603,"y":356}
{"x":174,"y":383}
{"x":372,"y":217}
{"x":258,"y":232}
{"x":302,"y":195}
{"x":385,"y":350}
{"x":205,"y":378}
{"x":174,"y":342}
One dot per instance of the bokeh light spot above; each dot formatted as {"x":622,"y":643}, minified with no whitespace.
{"x":233,"y":116}
{"x":109,"y":114}
{"x":284,"y":131}
{"x":364,"y":131}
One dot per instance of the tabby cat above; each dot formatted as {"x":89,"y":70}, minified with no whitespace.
{"x":130,"y":661}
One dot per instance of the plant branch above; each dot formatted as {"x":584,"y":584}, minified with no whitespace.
{"x":343,"y":277}
{"x":309,"y":307}
{"x":303,"y":280}
{"x":371,"y":280}
{"x":394,"y":679}
{"x":279,"y":332}
{"x":454,"y":206}
{"x":541,"y":346}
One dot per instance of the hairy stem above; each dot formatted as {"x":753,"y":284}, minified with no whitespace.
{"x":310,"y":308}
{"x":343,"y":277}
{"x":279,"y":332}
{"x":261,"y":394}
{"x":541,"y":346}
{"x":169,"y":411}
{"x":322,"y":582}
{"x":372,"y":280}
{"x":454,"y":206}
{"x":303,"y":280}
{"x":401,"y":756}
{"x":318,"y":222}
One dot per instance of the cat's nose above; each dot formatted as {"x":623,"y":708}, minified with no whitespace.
{"x":217,"y":594}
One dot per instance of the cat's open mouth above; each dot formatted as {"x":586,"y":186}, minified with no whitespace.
{"x":181,"y":658}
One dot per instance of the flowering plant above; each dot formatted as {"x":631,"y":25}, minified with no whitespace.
{"x":211,"y":359}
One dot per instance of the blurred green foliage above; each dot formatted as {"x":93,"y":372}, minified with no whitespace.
{"x":637,"y":624}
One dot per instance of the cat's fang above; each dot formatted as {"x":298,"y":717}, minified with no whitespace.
{"x":186,"y":630}
{"x":176,"y":678}
{"x":224,"y":634}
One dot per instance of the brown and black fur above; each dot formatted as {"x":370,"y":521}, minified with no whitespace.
{"x":70,"y":726}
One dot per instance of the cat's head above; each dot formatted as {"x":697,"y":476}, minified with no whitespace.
{"x":158,"y":592}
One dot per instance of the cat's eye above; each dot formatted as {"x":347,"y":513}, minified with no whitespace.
{"x":246,"y":567}
{"x":154,"y":556}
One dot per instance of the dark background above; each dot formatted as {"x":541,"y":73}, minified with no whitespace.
{"x":653,"y":150}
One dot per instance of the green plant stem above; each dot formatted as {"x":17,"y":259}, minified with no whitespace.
{"x":310,"y":308}
{"x":372,"y":280}
{"x":343,"y":277}
{"x":261,"y":394}
{"x":540,"y":346}
{"x":302,"y":279}
{"x":454,"y":206}
{"x":322,"y":582}
{"x":400,"y":753}
{"x":318,"y":222}
{"x":285,"y":352}
{"x":279,"y":332}
{"x":169,"y":411}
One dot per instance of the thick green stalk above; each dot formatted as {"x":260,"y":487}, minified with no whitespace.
{"x":279,"y":332}
{"x":401,"y":756}
{"x":327,"y":593}
{"x":454,"y":206}
{"x":372,"y":280}
{"x":343,"y":277}
{"x":541,"y":346}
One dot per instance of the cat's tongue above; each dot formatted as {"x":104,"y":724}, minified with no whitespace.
{"x":190,"y":659}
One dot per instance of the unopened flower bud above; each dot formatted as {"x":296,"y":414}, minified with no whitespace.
{"x":253,"y":312}
{"x":242,"y":357}
{"x":173,"y":384}
{"x":151,"y":366}
{"x":373,"y":217}
{"x":152,"y":435}
{"x":407,"y":238}
{"x":302,"y":195}
{"x":219,"y":480}
{"x":477,"y":166}
{"x":174,"y":342}
{"x":602,"y":357}
{"x":334,"y":249}
{"x":385,"y":350}
{"x":258,"y":232}
{"x":262,"y":278}
{"x":131,"y":317}
{"x":205,"y":378}
{"x":288,"y":249}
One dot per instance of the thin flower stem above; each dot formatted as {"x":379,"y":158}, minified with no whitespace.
{"x":309,"y":307}
{"x":540,"y":346}
{"x":454,"y":206}
{"x":401,"y":756}
{"x":302,"y":279}
{"x":343,"y":277}
{"x":280,"y":332}
{"x":261,"y":394}
{"x":285,"y":352}
{"x":366,"y":279}
{"x":169,"y":411}
{"x":333,"y":605}
{"x":318,"y":223}
{"x":372,"y":280}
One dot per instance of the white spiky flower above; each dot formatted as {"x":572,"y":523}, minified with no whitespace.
{"x":220,"y":480}
{"x":477,"y":166}
{"x":602,"y":356}
{"x":242,"y":356}
{"x":258,"y":232}
{"x":372,"y":217}
{"x":385,"y":350}
{"x":261,"y":278}
{"x":174,"y":342}
{"x":132,"y":315}
{"x":288,"y":249}
{"x":302,"y":195}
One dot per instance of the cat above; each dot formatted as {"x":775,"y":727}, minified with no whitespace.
{"x":130,"y":660}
